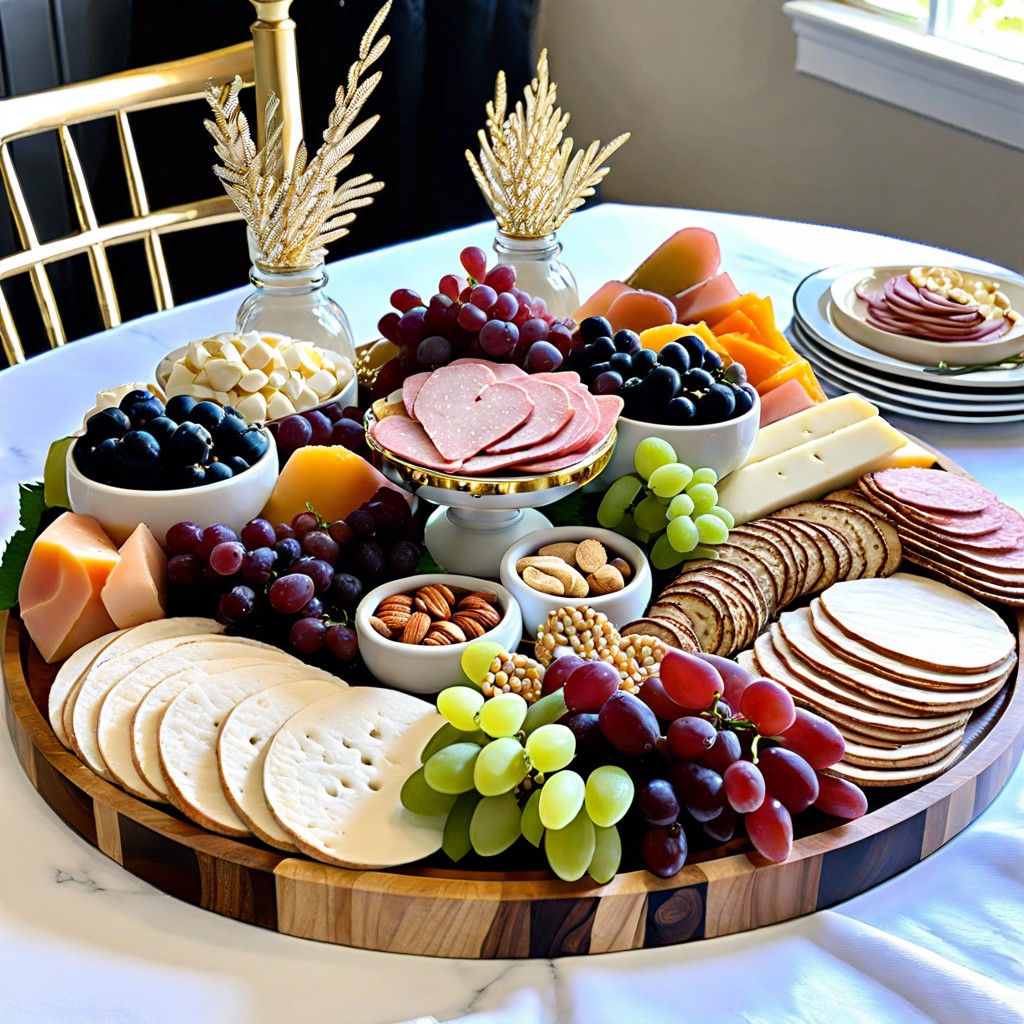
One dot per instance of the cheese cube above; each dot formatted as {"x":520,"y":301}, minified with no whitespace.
{"x":196,"y":355}
{"x":222,"y":398}
{"x":330,"y":477}
{"x":323,"y":383}
{"x":278,"y":406}
{"x":181,"y":376}
{"x":278,"y":378}
{"x":223,"y":374}
{"x":306,"y":399}
{"x":136,"y":589}
{"x":202,"y":378}
{"x":292,"y":357}
{"x":252,"y":381}
{"x":810,"y":425}
{"x":231,"y":354}
{"x":253,"y":408}
{"x":809,"y":470}
{"x":293,"y":386}
{"x":201,"y":392}
{"x":258,"y":356}
{"x":60,"y":589}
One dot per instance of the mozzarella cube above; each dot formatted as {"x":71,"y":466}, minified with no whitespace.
{"x":181,"y":376}
{"x":279,"y":406}
{"x":278,"y":378}
{"x":224,"y":375}
{"x":306,"y":399}
{"x":293,"y":386}
{"x":292,"y":357}
{"x":253,"y":408}
{"x":254,"y":380}
{"x":196,"y":355}
{"x":258,"y":356}
{"x":323,"y":383}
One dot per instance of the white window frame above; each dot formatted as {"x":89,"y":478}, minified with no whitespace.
{"x":893,"y":60}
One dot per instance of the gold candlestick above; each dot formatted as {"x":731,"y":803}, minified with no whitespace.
{"x":277,"y":73}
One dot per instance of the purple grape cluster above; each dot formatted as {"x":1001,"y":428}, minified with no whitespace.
{"x":297,"y":583}
{"x":329,"y":425}
{"x":482,"y":314}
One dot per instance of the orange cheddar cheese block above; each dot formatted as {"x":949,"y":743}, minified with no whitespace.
{"x":656,"y":338}
{"x":786,"y":400}
{"x":598,"y":303}
{"x":60,"y":590}
{"x":686,"y":258}
{"x":136,"y":589}
{"x":708,"y":297}
{"x":799,"y":370}
{"x":759,"y":317}
{"x":332,"y":479}
{"x":636,"y":311}
{"x":759,"y":361}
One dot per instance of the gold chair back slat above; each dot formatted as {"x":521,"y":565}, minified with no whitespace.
{"x":45,"y":298}
{"x":102,"y":279}
{"x":114,"y":96}
{"x":9,"y":334}
{"x":162,"y":294}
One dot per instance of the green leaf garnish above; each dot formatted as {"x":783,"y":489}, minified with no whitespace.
{"x":30,"y":511}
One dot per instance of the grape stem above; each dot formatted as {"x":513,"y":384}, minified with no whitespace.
{"x":321,"y":522}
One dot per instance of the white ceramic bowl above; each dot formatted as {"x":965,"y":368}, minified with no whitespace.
{"x":119,"y":510}
{"x":621,"y":607}
{"x":347,"y":395}
{"x":850,"y":313}
{"x":418,"y":669}
{"x":722,"y":447}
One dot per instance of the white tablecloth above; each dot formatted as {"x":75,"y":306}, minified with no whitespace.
{"x":83,"y":940}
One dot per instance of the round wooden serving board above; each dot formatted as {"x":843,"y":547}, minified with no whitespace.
{"x":449,"y":912}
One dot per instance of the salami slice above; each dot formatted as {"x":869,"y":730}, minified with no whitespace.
{"x":503,"y":371}
{"x":551,"y":412}
{"x":408,"y":440}
{"x":568,"y":439}
{"x":933,"y":490}
{"x":464,"y":409}
{"x":609,"y":408}
{"x":411,"y":388}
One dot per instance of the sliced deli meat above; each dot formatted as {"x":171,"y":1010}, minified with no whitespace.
{"x":939,"y":492}
{"x":465,"y":408}
{"x":408,"y":440}
{"x":552,"y":410}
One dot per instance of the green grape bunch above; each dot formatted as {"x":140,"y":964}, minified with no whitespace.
{"x":667,"y":505}
{"x":499,"y":769}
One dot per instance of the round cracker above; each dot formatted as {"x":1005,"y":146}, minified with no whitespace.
{"x":187,"y":739}
{"x":334,"y":772}
{"x":242,"y":746}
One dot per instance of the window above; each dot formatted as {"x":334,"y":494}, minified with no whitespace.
{"x":957,"y":61}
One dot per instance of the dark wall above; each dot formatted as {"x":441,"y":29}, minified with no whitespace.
{"x":438,"y":74}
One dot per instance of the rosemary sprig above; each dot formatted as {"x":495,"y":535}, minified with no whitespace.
{"x":945,"y":370}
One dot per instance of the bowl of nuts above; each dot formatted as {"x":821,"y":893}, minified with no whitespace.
{"x":573,"y":565}
{"x":412,"y":631}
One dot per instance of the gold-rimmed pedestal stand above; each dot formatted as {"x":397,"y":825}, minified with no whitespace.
{"x":479,"y":518}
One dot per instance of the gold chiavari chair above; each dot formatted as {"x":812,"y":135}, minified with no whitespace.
{"x":116,"y":96}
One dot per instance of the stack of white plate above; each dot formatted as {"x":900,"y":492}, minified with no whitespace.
{"x":824,"y":300}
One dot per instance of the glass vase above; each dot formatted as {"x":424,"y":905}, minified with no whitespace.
{"x":540,"y":271}
{"x":296,"y":303}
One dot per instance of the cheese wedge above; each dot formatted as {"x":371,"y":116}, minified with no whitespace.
{"x":330,"y":478}
{"x":910,"y":455}
{"x":810,"y":425}
{"x":809,"y":470}
{"x":136,"y":589}
{"x":61,"y":586}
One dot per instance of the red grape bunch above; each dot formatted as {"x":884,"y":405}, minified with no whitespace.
{"x":295,"y":584}
{"x":481,"y":314}
{"x":706,"y":745}
{"x":329,"y":425}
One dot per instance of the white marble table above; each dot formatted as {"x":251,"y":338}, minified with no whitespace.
{"x":82,"y":940}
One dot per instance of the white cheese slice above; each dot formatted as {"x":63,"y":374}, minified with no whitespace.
{"x":809,"y":425}
{"x":809,"y":470}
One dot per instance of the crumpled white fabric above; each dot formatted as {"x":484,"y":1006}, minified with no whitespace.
{"x":942,"y":942}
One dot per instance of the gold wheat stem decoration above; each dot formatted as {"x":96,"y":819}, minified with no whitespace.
{"x":526,"y":170}
{"x":294,"y":215}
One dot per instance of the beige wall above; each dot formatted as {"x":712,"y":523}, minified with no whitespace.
{"x":722,"y":121}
